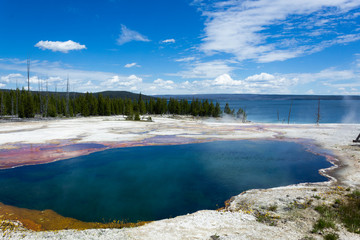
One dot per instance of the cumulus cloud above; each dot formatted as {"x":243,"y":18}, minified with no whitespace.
{"x":224,"y":83}
{"x":128,"y":35}
{"x":56,"y":74}
{"x":267,"y":31}
{"x":164,"y":84}
{"x":57,"y":46}
{"x":257,"y":83}
{"x":169,"y":40}
{"x":130,"y":65}
{"x":262,"y":77}
{"x":10,"y":77}
{"x":226,"y":80}
{"x":123,"y":81}
{"x":279,"y":83}
{"x":2,"y":85}
{"x":208,"y":70}
{"x":327,"y":80}
{"x":34,"y":80}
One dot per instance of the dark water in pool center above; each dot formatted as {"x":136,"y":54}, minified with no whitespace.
{"x":156,"y":182}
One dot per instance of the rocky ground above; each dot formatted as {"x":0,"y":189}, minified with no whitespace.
{"x":277,"y":213}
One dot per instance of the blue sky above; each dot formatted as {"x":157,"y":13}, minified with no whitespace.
{"x":183,"y":46}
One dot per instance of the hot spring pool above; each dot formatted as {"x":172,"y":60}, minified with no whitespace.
{"x":156,"y":182}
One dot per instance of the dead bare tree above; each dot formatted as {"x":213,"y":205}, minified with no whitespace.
{"x":2,"y":104}
{"x":357,"y":139}
{"x":56,"y":96}
{"x":39,"y":92}
{"x":67,"y":97}
{"x":17,"y":99}
{"x":12,"y":104}
{"x":318,"y":114}
{"x":290,"y":112}
{"x":73,"y":99}
{"x":47,"y":99}
{"x":28,"y":72}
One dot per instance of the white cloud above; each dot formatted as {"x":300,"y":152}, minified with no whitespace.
{"x":327,"y":75}
{"x":163,"y":84}
{"x":169,"y":40}
{"x":226,"y":80}
{"x":11,"y":77}
{"x":130,"y":65}
{"x":57,"y":46}
{"x":56,"y":73}
{"x":208,"y":70}
{"x":187,"y":59}
{"x":262,"y":77}
{"x":220,"y":81}
{"x":272,"y":83}
{"x":265,"y":30}
{"x":34,"y":80}
{"x":224,"y":83}
{"x":128,"y":35}
{"x":116,"y":81}
{"x":258,"y":83}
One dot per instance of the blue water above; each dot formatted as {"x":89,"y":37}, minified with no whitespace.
{"x":302,"y":111}
{"x":264,"y":108}
{"x":156,"y":182}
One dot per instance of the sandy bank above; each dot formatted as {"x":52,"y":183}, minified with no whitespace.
{"x":237,"y":221}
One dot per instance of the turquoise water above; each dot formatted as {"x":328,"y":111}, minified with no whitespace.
{"x":156,"y":182}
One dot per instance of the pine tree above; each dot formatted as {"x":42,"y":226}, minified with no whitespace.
{"x":2,"y":105}
{"x":29,"y":110}
{"x":211,"y":109}
{"x":241,"y":114}
{"x":137,"y":116}
{"x":107,"y":104}
{"x":227,"y":109}
{"x":128,"y":107}
{"x":151,"y":106}
{"x":217,"y":110}
{"x":101,"y":105}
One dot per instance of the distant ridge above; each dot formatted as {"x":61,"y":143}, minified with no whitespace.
{"x":260,"y":97}
{"x":110,"y":94}
{"x":123,"y":94}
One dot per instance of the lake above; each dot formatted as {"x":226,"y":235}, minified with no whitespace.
{"x":275,"y":108}
{"x":156,"y":182}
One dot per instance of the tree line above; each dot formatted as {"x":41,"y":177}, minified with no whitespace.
{"x":27,"y":104}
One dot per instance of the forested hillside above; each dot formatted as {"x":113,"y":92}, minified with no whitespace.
{"x":27,"y":104}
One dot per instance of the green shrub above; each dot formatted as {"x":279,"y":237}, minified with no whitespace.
{"x":331,"y":236}
{"x":326,"y":211}
{"x":349,"y":214}
{"x":322,"y":224}
{"x":346,"y":211}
